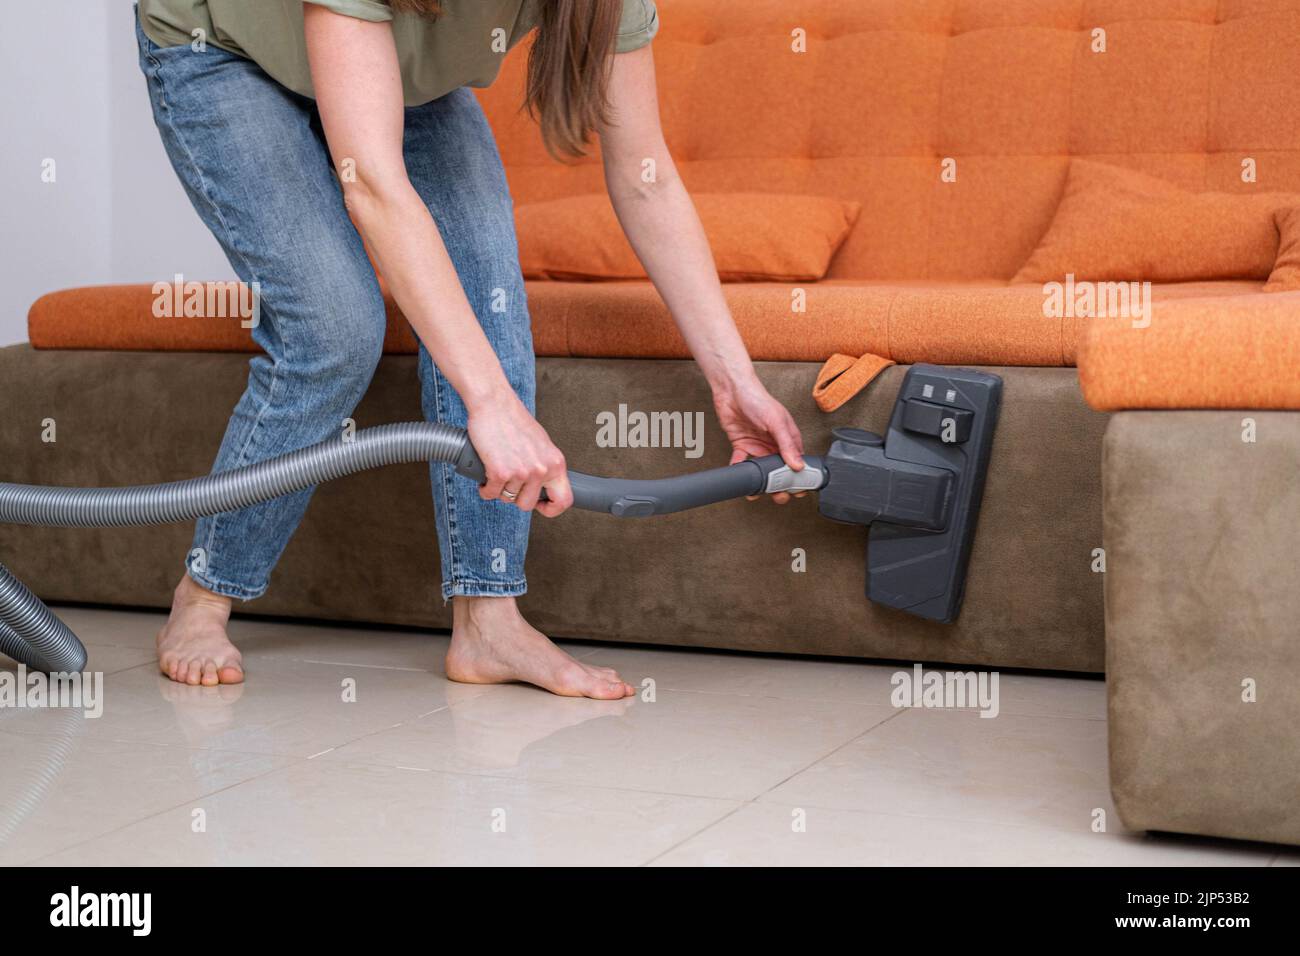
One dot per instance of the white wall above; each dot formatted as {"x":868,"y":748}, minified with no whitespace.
{"x":71,"y":90}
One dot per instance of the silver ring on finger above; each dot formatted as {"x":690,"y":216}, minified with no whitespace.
{"x":509,"y":495}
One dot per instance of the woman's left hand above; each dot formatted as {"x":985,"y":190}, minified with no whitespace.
{"x":757,"y":424}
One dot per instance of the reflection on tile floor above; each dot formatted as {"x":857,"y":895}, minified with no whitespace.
{"x":348,"y":745}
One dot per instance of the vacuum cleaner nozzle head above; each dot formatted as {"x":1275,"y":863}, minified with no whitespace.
{"x":919,"y":487}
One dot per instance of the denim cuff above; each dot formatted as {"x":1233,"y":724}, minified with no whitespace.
{"x":469,"y":587}
{"x":225,"y":588}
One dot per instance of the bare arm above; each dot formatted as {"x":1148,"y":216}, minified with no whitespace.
{"x":661,"y":224}
{"x":359,"y":93}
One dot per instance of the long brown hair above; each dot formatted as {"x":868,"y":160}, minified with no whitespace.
{"x":568,"y":67}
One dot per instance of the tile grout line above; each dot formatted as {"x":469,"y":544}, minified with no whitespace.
{"x":740,"y":805}
{"x":294,"y":762}
{"x":150,"y":816}
{"x":754,"y":799}
{"x":859,"y":702}
{"x":700,"y":832}
{"x":1178,"y":839}
{"x":833,"y":750}
{"x":1031,"y":827}
{"x":357,"y":764}
{"x":344,"y":763}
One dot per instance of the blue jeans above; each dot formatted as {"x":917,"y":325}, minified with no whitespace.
{"x":252,"y":157}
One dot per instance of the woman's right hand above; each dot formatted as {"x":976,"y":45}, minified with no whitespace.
{"x":519,"y":458}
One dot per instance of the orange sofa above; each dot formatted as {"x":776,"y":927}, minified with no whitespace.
{"x":953,"y":124}
{"x":885,"y":98}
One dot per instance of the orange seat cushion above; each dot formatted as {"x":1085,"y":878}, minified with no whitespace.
{"x":753,"y":236}
{"x":123,"y":317}
{"x":1222,"y":352}
{"x":1119,"y":224}
{"x":982,"y":323}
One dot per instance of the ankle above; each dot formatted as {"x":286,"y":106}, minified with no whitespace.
{"x":485,"y":612}
{"x":189,"y":593}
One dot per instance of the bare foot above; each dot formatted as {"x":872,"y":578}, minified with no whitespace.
{"x":193,"y":647}
{"x":491,"y":643}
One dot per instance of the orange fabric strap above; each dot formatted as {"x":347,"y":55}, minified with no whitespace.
{"x":843,"y":376}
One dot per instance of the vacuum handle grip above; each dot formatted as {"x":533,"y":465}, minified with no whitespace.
{"x":639,"y":498}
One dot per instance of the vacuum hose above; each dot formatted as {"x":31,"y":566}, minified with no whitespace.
{"x":33,"y":635}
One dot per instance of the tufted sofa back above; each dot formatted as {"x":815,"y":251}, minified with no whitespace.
{"x":1005,"y":91}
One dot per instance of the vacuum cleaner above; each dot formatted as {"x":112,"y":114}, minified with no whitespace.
{"x":918,"y":488}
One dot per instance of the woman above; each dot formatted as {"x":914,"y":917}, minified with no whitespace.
{"x":307,"y":133}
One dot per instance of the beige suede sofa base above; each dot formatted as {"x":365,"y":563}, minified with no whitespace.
{"x":1202,"y":532}
{"x":720,"y":577}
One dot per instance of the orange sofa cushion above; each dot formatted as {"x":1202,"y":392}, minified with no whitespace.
{"x":753,"y":236}
{"x":1119,"y":224}
{"x":982,"y":323}
{"x":122,"y":317}
{"x":1234,"y":352}
{"x":1285,"y":276}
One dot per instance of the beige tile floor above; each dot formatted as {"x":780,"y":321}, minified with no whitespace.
{"x":348,"y":745}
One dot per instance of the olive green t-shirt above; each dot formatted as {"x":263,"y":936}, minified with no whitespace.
{"x":464,"y":46}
